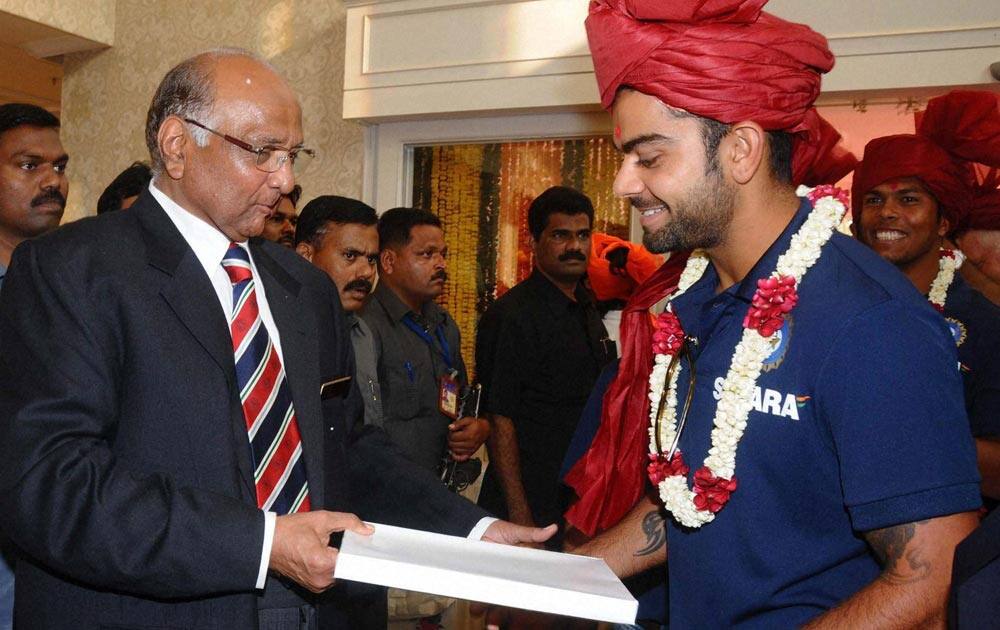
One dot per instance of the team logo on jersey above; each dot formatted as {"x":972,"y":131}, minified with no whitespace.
{"x":957,"y":329}
{"x":779,"y":345}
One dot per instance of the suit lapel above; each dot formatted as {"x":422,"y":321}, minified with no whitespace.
{"x":188,"y":292}
{"x":300,"y":360}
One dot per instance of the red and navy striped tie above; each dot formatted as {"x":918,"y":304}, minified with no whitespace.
{"x":279,"y":470}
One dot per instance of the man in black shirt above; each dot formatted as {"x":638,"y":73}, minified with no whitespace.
{"x":539,"y":350}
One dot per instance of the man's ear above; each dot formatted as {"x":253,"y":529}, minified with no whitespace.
{"x":173,"y":140}
{"x":386,"y":261}
{"x":745,"y":151}
{"x":305,"y":250}
{"x":944,"y":225}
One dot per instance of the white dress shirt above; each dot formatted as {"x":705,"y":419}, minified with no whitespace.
{"x":210,"y":246}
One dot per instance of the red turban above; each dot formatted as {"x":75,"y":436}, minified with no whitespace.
{"x":721,"y":59}
{"x":955,"y":153}
{"x":609,"y":284}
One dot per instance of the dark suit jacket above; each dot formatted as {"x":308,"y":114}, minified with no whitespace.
{"x":125,"y":474}
{"x":975,"y":590}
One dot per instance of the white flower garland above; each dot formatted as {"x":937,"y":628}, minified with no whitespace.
{"x":948,"y":262}
{"x":736,"y":399}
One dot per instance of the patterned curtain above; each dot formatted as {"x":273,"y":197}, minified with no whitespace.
{"x":482,"y":192}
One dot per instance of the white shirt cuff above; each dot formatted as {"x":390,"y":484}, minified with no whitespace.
{"x":265,"y":553}
{"x":480,"y":529}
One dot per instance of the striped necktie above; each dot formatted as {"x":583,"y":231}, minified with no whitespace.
{"x":279,"y":469}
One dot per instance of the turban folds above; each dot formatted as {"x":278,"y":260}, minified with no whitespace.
{"x":609,"y":283}
{"x":955,"y":153}
{"x":721,"y":59}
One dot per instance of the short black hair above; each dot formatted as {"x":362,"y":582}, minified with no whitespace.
{"x":331,"y":209}
{"x":295,"y":195}
{"x":395,"y":226}
{"x":779,"y":144}
{"x":14,"y":115}
{"x":561,"y":199}
{"x":129,"y":183}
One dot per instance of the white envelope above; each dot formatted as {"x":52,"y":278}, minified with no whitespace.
{"x":474,"y":570}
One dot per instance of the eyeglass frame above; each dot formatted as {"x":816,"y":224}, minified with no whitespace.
{"x":684,"y":351}
{"x":290,"y":154}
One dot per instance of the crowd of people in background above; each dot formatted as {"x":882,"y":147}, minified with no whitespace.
{"x":202,"y":306}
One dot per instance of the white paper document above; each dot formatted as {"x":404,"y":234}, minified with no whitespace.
{"x":518,"y":577}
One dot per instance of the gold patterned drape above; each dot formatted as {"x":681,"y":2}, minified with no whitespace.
{"x":482,"y":192}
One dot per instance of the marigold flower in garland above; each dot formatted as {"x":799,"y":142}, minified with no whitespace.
{"x":775,"y":297}
{"x":660,"y":467}
{"x":668,"y":336}
{"x":711,"y":492}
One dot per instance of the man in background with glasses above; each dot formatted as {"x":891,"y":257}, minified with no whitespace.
{"x":178,"y":394}
{"x":280,"y":226}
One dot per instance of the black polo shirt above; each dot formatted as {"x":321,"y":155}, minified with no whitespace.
{"x":538,"y":354}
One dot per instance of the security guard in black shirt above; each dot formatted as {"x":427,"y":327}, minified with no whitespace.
{"x":539,"y":350}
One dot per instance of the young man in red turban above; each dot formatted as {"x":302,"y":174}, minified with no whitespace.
{"x":776,"y":385}
{"x":911,"y":193}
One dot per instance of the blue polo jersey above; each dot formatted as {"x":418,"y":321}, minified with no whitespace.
{"x":858,"y":424}
{"x":974,"y":322}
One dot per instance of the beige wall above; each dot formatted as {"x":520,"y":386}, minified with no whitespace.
{"x":90,"y":19}
{"x":106,"y":94}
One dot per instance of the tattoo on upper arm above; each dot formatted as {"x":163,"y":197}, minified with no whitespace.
{"x":656,"y":533}
{"x":901,"y":562}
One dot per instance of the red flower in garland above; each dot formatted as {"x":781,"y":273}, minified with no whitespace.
{"x":829,"y":190}
{"x":775,"y":297}
{"x":668,"y":336}
{"x":660,"y":467}
{"x":947,"y":253}
{"x":711,"y":492}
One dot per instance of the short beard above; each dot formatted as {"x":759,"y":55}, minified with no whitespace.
{"x":699,"y":221}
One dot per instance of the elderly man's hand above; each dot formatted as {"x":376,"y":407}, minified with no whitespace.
{"x":301,"y":550}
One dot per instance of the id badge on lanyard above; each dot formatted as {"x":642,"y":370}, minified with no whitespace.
{"x":448,"y":391}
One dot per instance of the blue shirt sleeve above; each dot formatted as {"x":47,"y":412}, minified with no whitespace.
{"x":891,"y":396}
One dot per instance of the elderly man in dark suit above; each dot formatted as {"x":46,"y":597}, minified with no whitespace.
{"x":174,"y":412}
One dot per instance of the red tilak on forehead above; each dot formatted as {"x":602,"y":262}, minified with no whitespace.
{"x":618,"y":132}
{"x":893,"y":186}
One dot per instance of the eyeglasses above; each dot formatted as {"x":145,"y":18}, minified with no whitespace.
{"x":269,"y":159}
{"x":675,"y":361}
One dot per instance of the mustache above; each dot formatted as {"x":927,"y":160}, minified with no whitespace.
{"x":572,"y":255}
{"x":440,"y":275}
{"x":641,"y":204}
{"x":359,"y":284}
{"x":47,"y":197}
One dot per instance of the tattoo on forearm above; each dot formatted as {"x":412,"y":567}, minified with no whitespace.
{"x":900,"y":565}
{"x":655,"y":531}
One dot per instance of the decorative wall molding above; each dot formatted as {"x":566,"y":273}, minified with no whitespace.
{"x":429,"y":58}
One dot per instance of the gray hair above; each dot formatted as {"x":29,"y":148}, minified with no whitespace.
{"x":188,"y":91}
